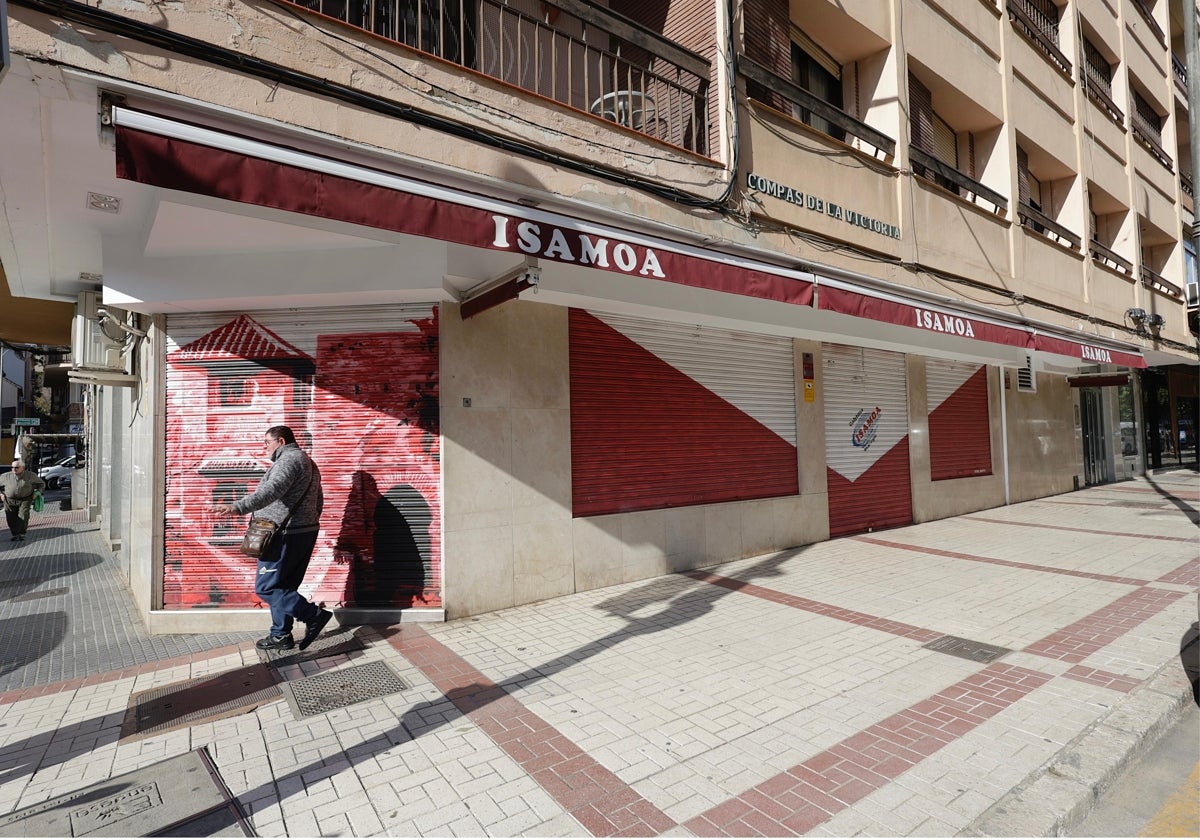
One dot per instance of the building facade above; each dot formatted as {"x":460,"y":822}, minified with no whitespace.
{"x":563,"y":294}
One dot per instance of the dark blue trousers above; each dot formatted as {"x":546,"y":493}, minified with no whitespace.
{"x":280,"y":572}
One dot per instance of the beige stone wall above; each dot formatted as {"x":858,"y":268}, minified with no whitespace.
{"x":1045,"y":443}
{"x":509,"y":536}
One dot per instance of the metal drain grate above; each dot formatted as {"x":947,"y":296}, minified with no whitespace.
{"x":1139,"y":505}
{"x":967,"y":649}
{"x":199,"y":700}
{"x":322,"y":693}
{"x":331,"y":644}
{"x":40,"y":593}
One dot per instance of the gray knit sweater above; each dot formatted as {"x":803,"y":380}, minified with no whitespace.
{"x":283,"y":491}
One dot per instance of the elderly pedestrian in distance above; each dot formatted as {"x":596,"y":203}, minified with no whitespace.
{"x":17,"y":491}
{"x":290,"y":496}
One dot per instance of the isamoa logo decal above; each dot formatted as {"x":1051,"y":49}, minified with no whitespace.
{"x":864,"y":427}
{"x":940,"y":322}
{"x":572,"y":246}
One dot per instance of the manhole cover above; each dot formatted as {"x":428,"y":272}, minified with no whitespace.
{"x":199,"y":700}
{"x":967,"y":649}
{"x":331,"y":644}
{"x":183,"y":796}
{"x":40,"y":593}
{"x":344,"y":687}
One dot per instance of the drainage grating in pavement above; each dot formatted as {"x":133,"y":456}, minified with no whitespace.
{"x":199,"y":701}
{"x":331,"y":644}
{"x":183,"y":796}
{"x":40,"y":593}
{"x":967,"y":649}
{"x":331,"y":690}
{"x":1139,"y":505}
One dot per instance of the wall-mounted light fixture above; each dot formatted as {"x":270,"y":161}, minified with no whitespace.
{"x":1137,"y":316}
{"x":1156,"y":322}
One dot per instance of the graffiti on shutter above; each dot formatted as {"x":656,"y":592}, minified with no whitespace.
{"x":359,"y":388}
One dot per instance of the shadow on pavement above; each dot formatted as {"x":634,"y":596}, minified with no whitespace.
{"x":1189,"y":657}
{"x":1192,"y":513}
{"x":681,"y":604}
{"x":27,"y":638}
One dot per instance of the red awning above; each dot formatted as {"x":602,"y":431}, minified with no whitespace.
{"x":835,"y":296}
{"x":177,"y":156}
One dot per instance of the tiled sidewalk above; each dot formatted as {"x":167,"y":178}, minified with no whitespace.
{"x":780,"y":695}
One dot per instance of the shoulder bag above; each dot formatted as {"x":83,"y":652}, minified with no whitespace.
{"x":260,"y":532}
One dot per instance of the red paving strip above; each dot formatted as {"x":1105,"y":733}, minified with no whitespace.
{"x":1181,"y":495}
{"x":592,"y":794}
{"x":18,"y":694}
{"x":1080,"y":640}
{"x":1079,"y":530}
{"x":1106,"y":679}
{"x":897,"y":628}
{"x":798,"y":800}
{"x":938,"y":552}
{"x":1188,"y":574}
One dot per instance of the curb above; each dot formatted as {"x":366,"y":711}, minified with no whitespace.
{"x":1058,"y":795}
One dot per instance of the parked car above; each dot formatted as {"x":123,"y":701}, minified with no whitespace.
{"x":58,"y":474}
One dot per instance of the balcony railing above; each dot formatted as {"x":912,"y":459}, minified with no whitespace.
{"x":1038,"y":221}
{"x":1185,"y":184}
{"x":1150,"y":136}
{"x":1099,"y":90}
{"x":1102,"y":253}
{"x":947,"y":177}
{"x":797,"y":95}
{"x":1154,"y":280}
{"x":569,"y":51}
{"x":1180,"y":71}
{"x":1041,"y":31}
{"x":1148,"y":16}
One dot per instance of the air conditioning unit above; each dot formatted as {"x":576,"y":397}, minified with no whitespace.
{"x":91,"y":348}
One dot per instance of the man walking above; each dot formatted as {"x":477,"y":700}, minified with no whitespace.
{"x":290,"y":496}
{"x":17,"y":489}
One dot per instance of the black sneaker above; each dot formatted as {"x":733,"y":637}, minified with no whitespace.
{"x":313,"y":628}
{"x":284,"y":642}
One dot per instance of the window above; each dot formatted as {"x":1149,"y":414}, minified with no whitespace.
{"x":1146,"y":118}
{"x":818,"y":73}
{"x":931,"y":134}
{"x":1030,"y":190}
{"x":1192,"y":274}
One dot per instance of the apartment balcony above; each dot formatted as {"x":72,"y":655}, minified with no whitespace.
{"x":1040,"y":32}
{"x":1179,"y":71}
{"x":960,"y":224}
{"x":1047,"y":267}
{"x":1156,"y":282}
{"x":569,"y":51}
{"x":1111,"y":283}
{"x":816,"y":167}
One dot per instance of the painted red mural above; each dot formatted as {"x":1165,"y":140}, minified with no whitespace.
{"x":363,"y":403}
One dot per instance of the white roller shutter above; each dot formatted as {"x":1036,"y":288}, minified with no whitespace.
{"x":866,"y":434}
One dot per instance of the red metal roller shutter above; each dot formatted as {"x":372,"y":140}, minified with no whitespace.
{"x":667,"y":415}
{"x":866,"y":439}
{"x":960,"y":435}
{"x":359,"y":387}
